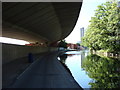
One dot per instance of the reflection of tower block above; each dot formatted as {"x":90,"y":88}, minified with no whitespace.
{"x":82,"y":58}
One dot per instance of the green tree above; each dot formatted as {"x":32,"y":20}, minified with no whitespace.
{"x":105,"y":72}
{"x":104,"y":29}
{"x":78,"y":44}
{"x":63,"y":44}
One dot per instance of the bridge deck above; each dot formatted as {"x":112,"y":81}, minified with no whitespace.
{"x":46,"y":72}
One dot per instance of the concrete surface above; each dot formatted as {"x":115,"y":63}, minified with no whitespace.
{"x":46,"y":72}
{"x":11,"y":70}
{"x":39,"y":21}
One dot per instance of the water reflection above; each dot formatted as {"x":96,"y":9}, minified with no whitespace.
{"x":105,"y":72}
{"x":63,"y":58}
{"x":73,"y":61}
{"x":92,"y":71}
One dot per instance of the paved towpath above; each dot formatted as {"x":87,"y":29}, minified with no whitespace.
{"x":47,"y":72}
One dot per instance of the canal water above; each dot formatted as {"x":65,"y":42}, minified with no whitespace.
{"x":92,"y":71}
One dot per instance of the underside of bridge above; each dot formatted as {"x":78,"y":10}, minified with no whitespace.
{"x":42,"y":22}
{"x":39,"y":21}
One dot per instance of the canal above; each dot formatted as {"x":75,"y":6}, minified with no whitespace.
{"x":92,"y":71}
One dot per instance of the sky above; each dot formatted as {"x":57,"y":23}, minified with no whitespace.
{"x":86,"y":12}
{"x":13,"y":41}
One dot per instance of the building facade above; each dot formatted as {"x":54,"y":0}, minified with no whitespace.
{"x":82,"y":31}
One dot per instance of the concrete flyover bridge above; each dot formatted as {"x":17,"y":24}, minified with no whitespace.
{"x":42,"y":22}
{"x":39,"y":21}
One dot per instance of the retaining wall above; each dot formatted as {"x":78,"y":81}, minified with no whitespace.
{"x":11,"y":52}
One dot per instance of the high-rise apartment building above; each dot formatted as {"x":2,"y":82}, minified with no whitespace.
{"x":82,"y":30}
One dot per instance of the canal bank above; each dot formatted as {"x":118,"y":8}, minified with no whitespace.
{"x":106,"y":54}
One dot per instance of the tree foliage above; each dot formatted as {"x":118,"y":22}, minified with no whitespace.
{"x":78,"y":44}
{"x":105,"y":72}
{"x":104,"y":29}
{"x":63,"y":44}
